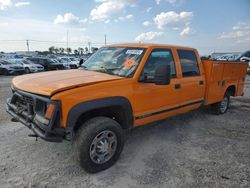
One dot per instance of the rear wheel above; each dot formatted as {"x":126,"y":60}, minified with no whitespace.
{"x":222,"y":106}
{"x":98,"y":144}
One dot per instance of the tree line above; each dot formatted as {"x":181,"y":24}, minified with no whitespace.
{"x":78,"y":51}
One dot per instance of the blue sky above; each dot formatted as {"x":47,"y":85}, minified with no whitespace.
{"x":208,"y":25}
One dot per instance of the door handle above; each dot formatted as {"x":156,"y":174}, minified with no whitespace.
{"x":201,"y":82}
{"x":177,"y":86}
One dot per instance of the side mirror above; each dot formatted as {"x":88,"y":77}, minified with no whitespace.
{"x":162,"y":75}
{"x":245,"y":59}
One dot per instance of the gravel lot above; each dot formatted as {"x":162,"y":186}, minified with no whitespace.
{"x":196,"y":149}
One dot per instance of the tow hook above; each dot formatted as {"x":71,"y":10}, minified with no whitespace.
{"x":33,"y":135}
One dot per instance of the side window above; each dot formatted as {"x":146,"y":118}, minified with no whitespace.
{"x":156,"y":58}
{"x":189,"y":63}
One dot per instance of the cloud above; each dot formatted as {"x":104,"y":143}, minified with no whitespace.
{"x":5,"y":4}
{"x":4,"y":24}
{"x":128,"y":17}
{"x":21,"y":4}
{"x":148,"y":36}
{"x":172,"y":18}
{"x":157,"y":2}
{"x":148,"y":9}
{"x":172,"y":2}
{"x":186,"y":31}
{"x":69,"y":19}
{"x":239,"y":32}
{"x":146,"y":23}
{"x":107,"y":8}
{"x":107,"y":21}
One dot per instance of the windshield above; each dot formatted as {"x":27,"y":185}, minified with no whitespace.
{"x":120,"y":61}
{"x":26,"y":62}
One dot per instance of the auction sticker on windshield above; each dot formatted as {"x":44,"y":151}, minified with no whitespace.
{"x":129,"y":63}
{"x":134,"y":52}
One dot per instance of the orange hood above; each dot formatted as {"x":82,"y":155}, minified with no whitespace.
{"x":49,"y":83}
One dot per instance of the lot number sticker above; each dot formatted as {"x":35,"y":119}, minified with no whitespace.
{"x":134,"y":52}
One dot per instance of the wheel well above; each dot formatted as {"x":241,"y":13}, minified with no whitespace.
{"x":116,"y":113}
{"x":231,"y":90}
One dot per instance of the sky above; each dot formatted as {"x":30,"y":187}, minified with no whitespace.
{"x":208,"y":25}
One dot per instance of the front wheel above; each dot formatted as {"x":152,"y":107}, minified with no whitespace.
{"x":27,"y":70}
{"x":5,"y":72}
{"x":98,"y":144}
{"x":222,"y":106}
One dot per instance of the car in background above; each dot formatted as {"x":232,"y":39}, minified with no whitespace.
{"x":29,"y":66}
{"x":7,"y":68}
{"x":244,"y":55}
{"x":64,"y":63}
{"x":226,"y":57}
{"x":48,"y":64}
{"x":74,"y":63}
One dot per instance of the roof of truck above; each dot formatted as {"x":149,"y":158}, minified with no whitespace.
{"x":147,"y":45}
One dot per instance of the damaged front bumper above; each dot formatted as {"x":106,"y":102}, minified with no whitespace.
{"x":23,"y":107}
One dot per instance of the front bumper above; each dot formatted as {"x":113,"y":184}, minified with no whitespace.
{"x":36,"y":69}
{"x":26,"y":115}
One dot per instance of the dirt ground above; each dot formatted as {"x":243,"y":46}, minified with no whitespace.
{"x":196,"y":149}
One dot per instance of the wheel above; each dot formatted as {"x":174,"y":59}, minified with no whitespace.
{"x":98,"y":144}
{"x":27,"y":70}
{"x":222,"y":106}
{"x":5,"y":72}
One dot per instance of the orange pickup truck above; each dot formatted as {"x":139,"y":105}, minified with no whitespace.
{"x":119,"y":87}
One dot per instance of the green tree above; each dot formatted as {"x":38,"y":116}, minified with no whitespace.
{"x":80,"y":51}
{"x":68,"y":50}
{"x":56,"y":50}
{"x":61,"y":50}
{"x":76,"y":52}
{"x":51,"y":49}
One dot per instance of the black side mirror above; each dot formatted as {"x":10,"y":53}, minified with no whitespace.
{"x":162,"y":75}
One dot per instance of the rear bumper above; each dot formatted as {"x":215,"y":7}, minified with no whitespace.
{"x":49,"y":132}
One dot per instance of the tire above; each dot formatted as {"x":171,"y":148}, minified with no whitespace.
{"x":27,"y":70}
{"x":5,"y":72}
{"x":222,"y":106}
{"x":100,"y":136}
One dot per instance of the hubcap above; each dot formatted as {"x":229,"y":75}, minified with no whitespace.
{"x":103,"y":147}
{"x":224,"y":104}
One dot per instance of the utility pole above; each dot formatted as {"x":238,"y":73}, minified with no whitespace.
{"x":105,"y":40}
{"x":28,"y":47}
{"x":89,"y":46}
{"x":67,"y":38}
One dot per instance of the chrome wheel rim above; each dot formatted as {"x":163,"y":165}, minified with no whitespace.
{"x":224,"y":104}
{"x":103,"y":147}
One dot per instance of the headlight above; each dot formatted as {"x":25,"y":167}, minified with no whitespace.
{"x":43,"y":111}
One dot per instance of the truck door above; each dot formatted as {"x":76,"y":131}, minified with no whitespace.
{"x":154,"y":101}
{"x":192,"y":84}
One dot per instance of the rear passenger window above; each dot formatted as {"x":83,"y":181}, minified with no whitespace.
{"x":189,"y":63}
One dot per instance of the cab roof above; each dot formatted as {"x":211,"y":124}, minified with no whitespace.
{"x":148,"y":45}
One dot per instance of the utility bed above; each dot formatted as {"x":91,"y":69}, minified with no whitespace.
{"x":221,"y":74}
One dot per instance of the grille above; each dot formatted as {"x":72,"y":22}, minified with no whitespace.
{"x":26,"y":100}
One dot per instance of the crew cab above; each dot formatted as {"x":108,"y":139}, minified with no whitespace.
{"x":120,"y":87}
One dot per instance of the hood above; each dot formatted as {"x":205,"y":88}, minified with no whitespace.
{"x":49,"y":83}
